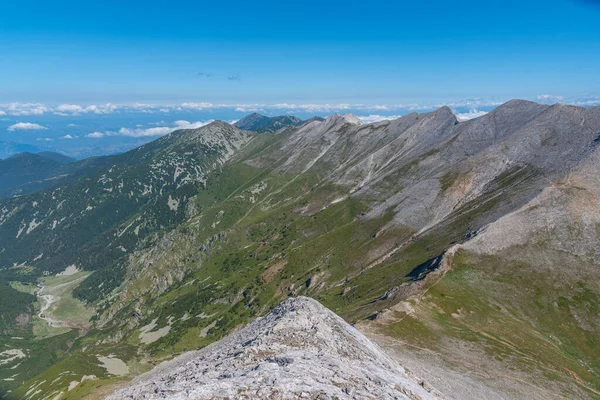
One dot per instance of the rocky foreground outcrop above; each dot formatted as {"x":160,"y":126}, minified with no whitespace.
{"x":301,"y":350}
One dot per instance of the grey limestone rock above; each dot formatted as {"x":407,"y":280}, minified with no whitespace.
{"x":299,"y":350}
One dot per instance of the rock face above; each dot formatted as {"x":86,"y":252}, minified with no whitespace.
{"x":299,"y":350}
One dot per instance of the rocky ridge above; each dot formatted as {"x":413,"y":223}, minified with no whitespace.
{"x":299,"y":350}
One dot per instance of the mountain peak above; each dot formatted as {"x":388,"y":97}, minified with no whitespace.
{"x":300,"y":347}
{"x":218,"y":123}
{"x":519,"y":103}
{"x":520,"y":106}
{"x":443,"y":114}
{"x":351,"y":118}
{"x":444,"y":111}
{"x":347,"y":118}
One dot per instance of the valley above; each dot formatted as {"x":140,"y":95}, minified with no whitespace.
{"x":58,"y":308}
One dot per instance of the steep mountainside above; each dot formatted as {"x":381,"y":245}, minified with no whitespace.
{"x":120,"y":203}
{"x":465,"y":248}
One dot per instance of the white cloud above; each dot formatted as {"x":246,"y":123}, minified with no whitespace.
{"x":75,"y":109}
{"x":247,"y":109}
{"x":95,"y":135}
{"x":66,"y":109}
{"x":473,"y":113}
{"x":380,"y":107}
{"x":549,"y":98}
{"x":25,"y":126}
{"x":69,"y":110}
{"x":330,"y":108}
{"x":313,"y":107}
{"x":199,"y":106}
{"x":471,"y":103}
{"x":584,"y":101}
{"x":137,"y":132}
{"x":104,"y":109}
{"x":290,"y":107}
{"x":67,"y":137}
{"x":191,"y":125}
{"x":162,"y":130}
{"x":20,"y":109}
{"x":143,"y":106}
{"x":368,"y":119}
{"x":72,"y":125}
{"x":44,"y":139}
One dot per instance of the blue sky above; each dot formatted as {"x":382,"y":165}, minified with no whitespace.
{"x":309,"y":51}
{"x":309,"y":57}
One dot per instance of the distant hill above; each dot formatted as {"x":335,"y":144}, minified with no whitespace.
{"x":260,"y":123}
{"x":26,"y":172}
{"x":25,"y":167}
{"x":61,"y":158}
{"x":8,"y":149}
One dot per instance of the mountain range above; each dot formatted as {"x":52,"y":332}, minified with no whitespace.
{"x":464,"y":251}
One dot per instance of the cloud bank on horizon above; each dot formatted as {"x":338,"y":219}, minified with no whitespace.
{"x":70,"y":110}
{"x":140,"y":132}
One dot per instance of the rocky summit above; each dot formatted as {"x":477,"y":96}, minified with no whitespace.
{"x":300,"y":350}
